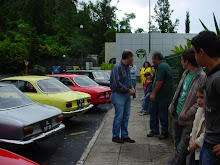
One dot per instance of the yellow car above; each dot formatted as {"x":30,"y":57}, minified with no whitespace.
{"x":50,"y":91}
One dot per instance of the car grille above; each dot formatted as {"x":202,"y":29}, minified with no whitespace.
{"x":80,"y":103}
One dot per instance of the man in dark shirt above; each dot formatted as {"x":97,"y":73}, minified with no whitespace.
{"x":122,"y":89}
{"x":207,"y":49}
{"x":161,"y":97}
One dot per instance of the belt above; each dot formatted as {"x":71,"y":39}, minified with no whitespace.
{"x":209,"y":145}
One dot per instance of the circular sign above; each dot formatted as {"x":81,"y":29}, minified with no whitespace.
{"x":141,"y":53}
{"x":26,"y":63}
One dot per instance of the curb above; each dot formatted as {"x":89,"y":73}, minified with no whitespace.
{"x":93,"y":140}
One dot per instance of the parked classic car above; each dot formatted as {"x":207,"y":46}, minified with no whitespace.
{"x":98,"y":76}
{"x":10,"y":158}
{"x":22,"y":121}
{"x":99,"y":94}
{"x":108,"y":72}
{"x":50,"y":91}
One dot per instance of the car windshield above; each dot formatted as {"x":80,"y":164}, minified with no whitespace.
{"x":84,"y":81}
{"x":100,"y":75}
{"x":10,"y":97}
{"x":52,"y":85}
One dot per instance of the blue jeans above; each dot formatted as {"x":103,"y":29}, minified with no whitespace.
{"x":159,"y":111}
{"x":133,"y":82}
{"x":208,"y":157}
{"x":146,"y":103}
{"x":122,"y":104}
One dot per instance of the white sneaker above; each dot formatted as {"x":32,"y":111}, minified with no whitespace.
{"x":140,"y":111}
{"x":142,"y":98}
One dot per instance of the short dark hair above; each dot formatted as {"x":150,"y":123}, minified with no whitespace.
{"x":208,"y":41}
{"x":189,"y":55}
{"x":158,"y":55}
{"x":200,"y":89}
{"x":147,"y":63}
{"x":126,"y":54}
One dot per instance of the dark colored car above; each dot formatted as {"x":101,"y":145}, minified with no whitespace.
{"x":99,"y":76}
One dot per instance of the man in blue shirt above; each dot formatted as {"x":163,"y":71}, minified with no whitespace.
{"x":122,"y":89}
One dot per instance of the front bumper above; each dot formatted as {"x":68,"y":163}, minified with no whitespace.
{"x":78,"y":110}
{"x":40,"y":136}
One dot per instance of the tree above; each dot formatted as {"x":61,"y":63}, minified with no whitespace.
{"x":162,"y":17}
{"x":139,"y":30}
{"x":124,"y":25}
{"x":187,"y":22}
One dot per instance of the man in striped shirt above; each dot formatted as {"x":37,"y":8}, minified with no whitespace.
{"x":122,"y":89}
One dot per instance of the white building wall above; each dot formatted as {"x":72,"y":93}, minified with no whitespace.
{"x":110,"y":51}
{"x":162,"y":42}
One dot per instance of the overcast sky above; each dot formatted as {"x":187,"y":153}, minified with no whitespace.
{"x":198,"y":9}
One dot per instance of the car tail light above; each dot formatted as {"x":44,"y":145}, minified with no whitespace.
{"x":69,"y":104}
{"x":28,"y":130}
{"x":89,"y":100}
{"x":59,"y":118}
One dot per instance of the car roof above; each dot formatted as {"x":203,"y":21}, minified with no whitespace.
{"x":27,"y":78}
{"x":65,"y":75}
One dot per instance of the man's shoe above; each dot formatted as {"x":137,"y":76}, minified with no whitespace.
{"x":117,"y":140}
{"x":129,"y":140}
{"x":163,"y":136}
{"x":151,"y":134}
{"x":139,"y":111}
{"x":143,"y":113}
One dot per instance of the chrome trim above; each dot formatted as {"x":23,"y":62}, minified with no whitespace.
{"x":42,"y":135}
{"x":78,"y":110}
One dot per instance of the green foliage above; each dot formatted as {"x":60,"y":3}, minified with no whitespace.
{"x":106,"y":66}
{"x":38,"y":70}
{"x":163,"y":17}
{"x":178,"y":50}
{"x":139,"y":30}
{"x":216,"y":25}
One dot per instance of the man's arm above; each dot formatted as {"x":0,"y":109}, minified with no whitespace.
{"x":156,"y":89}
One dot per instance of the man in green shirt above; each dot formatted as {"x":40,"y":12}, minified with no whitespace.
{"x":161,"y":97}
{"x":184,"y":106}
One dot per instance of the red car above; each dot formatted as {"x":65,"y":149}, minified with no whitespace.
{"x":82,"y":83}
{"x":10,"y":158}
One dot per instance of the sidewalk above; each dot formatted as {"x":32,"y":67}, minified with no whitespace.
{"x":146,"y":151}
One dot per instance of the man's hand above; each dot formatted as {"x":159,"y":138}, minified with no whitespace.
{"x":152,"y":97}
{"x":216,"y":150}
{"x":131,"y":91}
{"x":192,"y":147}
{"x":186,"y":116}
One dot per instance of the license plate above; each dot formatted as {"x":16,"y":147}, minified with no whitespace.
{"x":107,"y":94}
{"x":47,"y":125}
{"x":80,"y":103}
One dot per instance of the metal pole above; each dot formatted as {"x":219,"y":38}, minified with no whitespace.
{"x":81,"y":27}
{"x":149,"y":29}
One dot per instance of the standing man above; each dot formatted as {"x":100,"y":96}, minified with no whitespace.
{"x":207,"y":49}
{"x":162,"y":93}
{"x":133,"y":70}
{"x":184,"y":105}
{"x":122,"y":89}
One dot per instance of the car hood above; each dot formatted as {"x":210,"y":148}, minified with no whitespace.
{"x":70,"y":95}
{"x":32,"y":113}
{"x":98,"y":88}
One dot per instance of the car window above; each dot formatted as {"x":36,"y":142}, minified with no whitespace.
{"x":12,"y":97}
{"x":13,"y":82}
{"x":84,"y":81}
{"x":52,"y":85}
{"x":66,"y":81}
